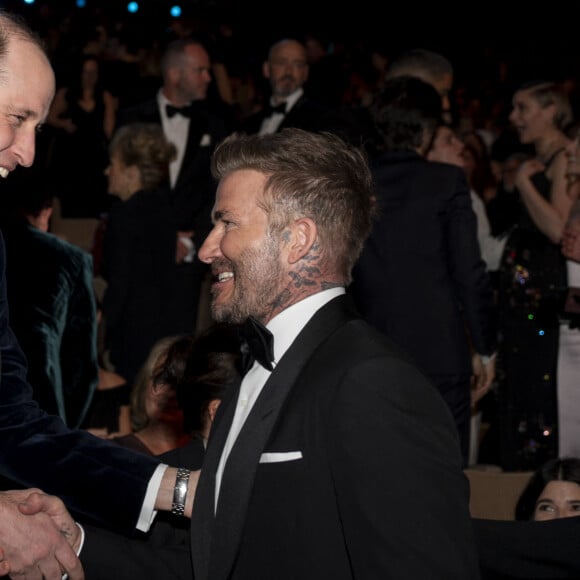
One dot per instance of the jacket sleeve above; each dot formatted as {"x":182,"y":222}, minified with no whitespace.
{"x":78,"y":348}
{"x":471,"y":279}
{"x":94,"y":477}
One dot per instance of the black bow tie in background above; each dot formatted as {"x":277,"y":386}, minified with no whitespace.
{"x":257,"y":345}
{"x":271,"y":109}
{"x":184,"y":111}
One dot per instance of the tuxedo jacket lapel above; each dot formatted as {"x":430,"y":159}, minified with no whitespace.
{"x":240,"y":469}
{"x":202,"y":518}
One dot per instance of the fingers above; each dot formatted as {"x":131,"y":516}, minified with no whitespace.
{"x":70,"y":563}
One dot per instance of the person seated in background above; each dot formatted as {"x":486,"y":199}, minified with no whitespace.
{"x":212,"y":367}
{"x":552,"y":492}
{"x":52,"y":304}
{"x":110,"y":411}
{"x":156,"y":417}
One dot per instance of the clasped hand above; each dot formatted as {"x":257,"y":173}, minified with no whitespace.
{"x":39,"y":539}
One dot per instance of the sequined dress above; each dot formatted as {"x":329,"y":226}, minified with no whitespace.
{"x":531,"y":287}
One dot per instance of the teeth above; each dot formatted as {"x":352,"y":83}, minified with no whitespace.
{"x":4,"y":172}
{"x":225,"y":276}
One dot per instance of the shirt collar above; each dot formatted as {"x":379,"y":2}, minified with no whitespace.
{"x":287,"y":325}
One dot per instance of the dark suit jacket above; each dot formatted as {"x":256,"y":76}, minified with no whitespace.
{"x":194,"y":192}
{"x":420,"y":278}
{"x":94,"y":477}
{"x":148,"y":295}
{"x":311,"y":115}
{"x":377,"y":493}
{"x":53,"y":314}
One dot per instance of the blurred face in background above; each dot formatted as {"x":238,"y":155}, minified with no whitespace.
{"x":286,"y":68}
{"x":530,"y":119}
{"x":559,"y":499}
{"x":447,"y":147}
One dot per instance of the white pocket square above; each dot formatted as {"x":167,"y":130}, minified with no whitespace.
{"x":205,"y":140}
{"x":280,"y":457}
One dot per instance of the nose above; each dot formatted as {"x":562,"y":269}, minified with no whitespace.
{"x":210,"y":249}
{"x":24,"y":147}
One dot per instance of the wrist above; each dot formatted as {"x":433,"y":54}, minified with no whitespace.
{"x":180,"y":490}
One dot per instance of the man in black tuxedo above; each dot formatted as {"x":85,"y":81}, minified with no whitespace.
{"x":193,"y":123}
{"x":287,"y":69}
{"x":420,"y":278}
{"x":335,"y":457}
{"x":103,"y":481}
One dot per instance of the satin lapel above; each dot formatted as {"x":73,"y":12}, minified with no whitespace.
{"x":240,"y":470}
{"x":202,"y":518}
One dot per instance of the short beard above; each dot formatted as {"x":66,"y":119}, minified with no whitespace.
{"x":257,"y":278}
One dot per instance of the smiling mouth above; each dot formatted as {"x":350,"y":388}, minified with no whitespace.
{"x":224,"y":276}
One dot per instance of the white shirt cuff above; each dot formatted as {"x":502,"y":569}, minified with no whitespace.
{"x":148,"y":511}
{"x":82,"y":543}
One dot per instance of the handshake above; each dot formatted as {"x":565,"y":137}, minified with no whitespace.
{"x":39,"y":539}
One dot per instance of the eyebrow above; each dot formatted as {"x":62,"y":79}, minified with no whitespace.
{"x":27,"y":113}
{"x":221,"y":214}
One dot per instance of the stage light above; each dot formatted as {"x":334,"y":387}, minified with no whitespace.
{"x":132,"y":7}
{"x":81,"y":3}
{"x":175,"y":11}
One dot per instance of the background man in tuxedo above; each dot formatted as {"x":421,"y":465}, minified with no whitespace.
{"x":103,"y":481}
{"x":289,"y":105}
{"x":190,"y":121}
{"x":194,"y":123}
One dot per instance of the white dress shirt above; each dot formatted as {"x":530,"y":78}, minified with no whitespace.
{"x":272,"y":123}
{"x":176,"y":130}
{"x":285,"y":327}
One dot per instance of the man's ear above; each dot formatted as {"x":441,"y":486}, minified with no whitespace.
{"x":172,"y":74}
{"x":304,"y":234}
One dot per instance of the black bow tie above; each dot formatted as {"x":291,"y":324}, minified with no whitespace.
{"x":271,"y":109}
{"x":257,"y":345}
{"x":184,"y":111}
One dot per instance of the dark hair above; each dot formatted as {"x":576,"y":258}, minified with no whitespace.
{"x":558,"y":469}
{"x":173,"y":55}
{"x":406,"y":113}
{"x":165,"y":363}
{"x":211,"y":367}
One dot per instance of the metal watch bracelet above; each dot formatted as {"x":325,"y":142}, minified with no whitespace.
{"x":180,"y":492}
